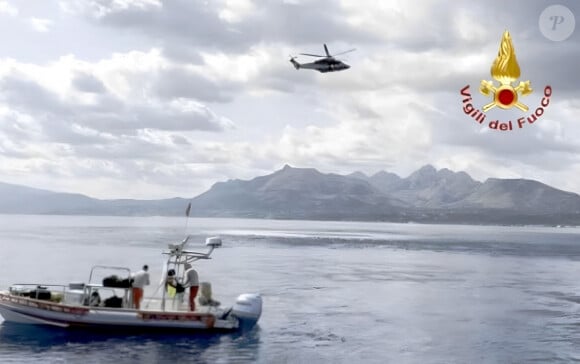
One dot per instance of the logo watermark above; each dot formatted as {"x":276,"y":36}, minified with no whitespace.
{"x":506,"y":93}
{"x":557,"y":23}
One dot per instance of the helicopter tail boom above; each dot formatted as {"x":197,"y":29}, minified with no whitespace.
{"x":296,"y":64}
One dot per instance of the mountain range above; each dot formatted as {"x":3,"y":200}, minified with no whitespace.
{"x":426,"y":196}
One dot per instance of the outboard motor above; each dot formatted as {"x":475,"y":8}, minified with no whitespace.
{"x":247,"y":309}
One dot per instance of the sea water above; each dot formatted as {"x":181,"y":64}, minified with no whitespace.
{"x":334,"y":292}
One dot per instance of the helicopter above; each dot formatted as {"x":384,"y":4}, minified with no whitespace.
{"x":327,"y":64}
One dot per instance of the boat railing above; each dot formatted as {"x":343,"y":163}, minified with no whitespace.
{"x":38,"y":288}
{"x":106,"y":267}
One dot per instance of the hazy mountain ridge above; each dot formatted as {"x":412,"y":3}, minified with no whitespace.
{"x":426,"y":187}
{"x":294,"y":193}
{"x":426,"y":195}
{"x":15,"y":199}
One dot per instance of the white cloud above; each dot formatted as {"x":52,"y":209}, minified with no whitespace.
{"x":7,"y":8}
{"x":40,"y":25}
{"x":234,"y":11}
{"x":102,"y":8}
{"x":127,"y":99}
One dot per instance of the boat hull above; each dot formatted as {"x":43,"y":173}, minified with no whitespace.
{"x":31,"y":311}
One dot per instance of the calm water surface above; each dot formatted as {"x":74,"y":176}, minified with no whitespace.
{"x":334,"y":292}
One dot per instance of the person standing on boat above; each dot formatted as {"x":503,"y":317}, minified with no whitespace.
{"x":191,"y":281}
{"x":140,"y":280}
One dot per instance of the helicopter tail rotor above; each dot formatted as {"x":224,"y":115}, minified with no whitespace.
{"x":294,"y":63}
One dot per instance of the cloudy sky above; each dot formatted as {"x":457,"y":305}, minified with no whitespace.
{"x":152,"y":99}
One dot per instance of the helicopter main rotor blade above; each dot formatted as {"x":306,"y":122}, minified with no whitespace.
{"x":350,"y":50}
{"x":311,"y":55}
